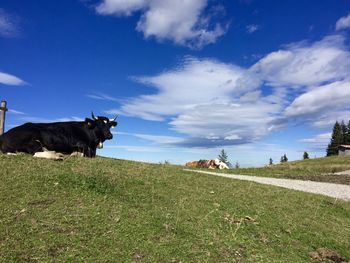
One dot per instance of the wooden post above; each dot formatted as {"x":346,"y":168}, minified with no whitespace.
{"x":3,"y":110}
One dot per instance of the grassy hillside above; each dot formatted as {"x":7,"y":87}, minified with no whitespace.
{"x":318,"y":169}
{"x":105,"y":210}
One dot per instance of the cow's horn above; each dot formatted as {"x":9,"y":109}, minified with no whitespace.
{"x":114,"y":118}
{"x":93,"y":116}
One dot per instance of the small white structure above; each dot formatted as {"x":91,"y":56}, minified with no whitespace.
{"x":344,"y":149}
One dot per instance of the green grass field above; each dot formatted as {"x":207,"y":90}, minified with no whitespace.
{"x":107,"y":210}
{"x":318,"y":169}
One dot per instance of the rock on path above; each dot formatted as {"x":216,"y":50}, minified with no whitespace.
{"x":339,"y":191}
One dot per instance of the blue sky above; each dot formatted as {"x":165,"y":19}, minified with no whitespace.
{"x":187,"y":78}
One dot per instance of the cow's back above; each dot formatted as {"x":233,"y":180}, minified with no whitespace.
{"x":24,"y":138}
{"x":33,"y":137}
{"x":63,"y":137}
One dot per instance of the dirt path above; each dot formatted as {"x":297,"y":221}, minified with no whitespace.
{"x":333,"y":190}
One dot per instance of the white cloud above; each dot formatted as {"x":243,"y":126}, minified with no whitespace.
{"x":305,"y":64}
{"x":321,"y":99}
{"x":193,"y":83}
{"x":241,"y":122}
{"x":133,"y":148}
{"x":8,"y":79}
{"x":8,"y":24}
{"x":120,"y":7}
{"x":343,"y":23}
{"x":16,"y":112}
{"x":157,"y":139}
{"x":320,"y":138}
{"x":315,"y":77}
{"x":101,"y":96}
{"x":216,"y":104}
{"x":318,"y":142}
{"x":211,"y":102}
{"x":328,"y":118}
{"x":181,"y":22}
{"x":252,"y":28}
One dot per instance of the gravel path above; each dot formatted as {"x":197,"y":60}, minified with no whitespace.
{"x":339,"y":191}
{"x":347,"y":172}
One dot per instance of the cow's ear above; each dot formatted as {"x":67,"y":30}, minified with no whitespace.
{"x":113,"y":124}
{"x":90,"y":123}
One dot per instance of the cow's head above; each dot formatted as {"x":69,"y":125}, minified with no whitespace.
{"x":101,"y":127}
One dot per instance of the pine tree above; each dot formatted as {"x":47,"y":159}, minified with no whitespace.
{"x":306,"y":156}
{"x":284,"y":158}
{"x":347,"y":134}
{"x":343,"y":132}
{"x":223,"y":157}
{"x":271,"y":161}
{"x":237,"y":165}
{"x":336,"y":140}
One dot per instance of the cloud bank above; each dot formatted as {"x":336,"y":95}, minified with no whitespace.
{"x":186,"y":22}
{"x":305,"y":64}
{"x":217,"y":104}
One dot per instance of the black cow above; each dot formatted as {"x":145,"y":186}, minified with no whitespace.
{"x":63,"y":137}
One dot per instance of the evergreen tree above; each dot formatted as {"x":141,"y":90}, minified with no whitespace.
{"x":224,"y":158}
{"x":336,"y":140}
{"x":306,"y":156}
{"x":284,"y":158}
{"x":271,"y":161}
{"x":347,"y":134}
{"x":343,"y":132}
{"x":237,"y":165}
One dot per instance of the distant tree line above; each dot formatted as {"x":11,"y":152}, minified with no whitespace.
{"x":340,"y":135}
